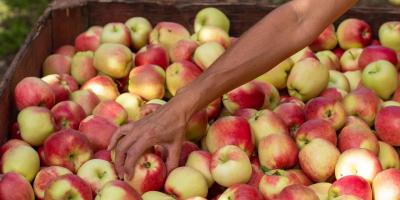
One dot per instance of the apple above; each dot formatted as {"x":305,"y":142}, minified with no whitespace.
{"x":386,"y":125}
{"x":213,"y":109}
{"x":103,"y":86}
{"x":68,"y":114}
{"x":315,"y":128}
{"x":62,"y":84}
{"x":118,"y":190}
{"x":381,"y":76}
{"x":257,"y":173}
{"x":67,"y":148}
{"x":326,"y":40}
{"x":147,"y":81}
{"x":278,"y":151}
{"x":357,"y":136}
{"x":183,"y":50}
{"x":196,"y":127}
{"x":246,"y":113}
{"x":66,"y":50}
{"x":295,"y":101}
{"x":351,"y":185}
{"x":371,"y":54}
{"x":15,"y":133}
{"x":241,"y":192}
{"x":82,"y":68}
{"x":354,"y":78}
{"x":103,"y":154}
{"x":333,"y":56}
{"x":231,"y":130}
{"x":14,"y":186}
{"x":112,"y":111}
{"x":334,"y":93}
{"x":56,"y":64}
{"x":180,"y":74}
{"x":152,"y":54}
{"x":156,"y":195}
{"x":86,"y":99}
{"x":186,"y":182}
{"x":21,"y":159}
{"x":36,"y":124}
{"x":396,"y":95}
{"x":350,"y":59}
{"x":114,"y":60}
{"x":328,"y":109}
{"x":278,"y":75}
{"x":274,"y":181}
{"x":227,"y":161}
{"x":272,"y":98}
{"x":147,"y":109}
{"x":89,"y":40}
{"x":303,"y":178}
{"x":358,"y":161}
{"x":131,"y":103}
{"x":353,"y":120}
{"x":167,"y":34}
{"x":338,"y":80}
{"x":354,"y":33}
{"x":303,"y":72}
{"x":390,"y":103}
{"x":292,"y":115}
{"x":44,"y":177}
{"x":302,"y":54}
{"x":186,"y":150}
{"x":201,"y":160}
{"x":386,"y":184}
{"x":318,"y":159}
{"x":116,"y":33}
{"x":12,"y":143}
{"x":211,"y":16}
{"x":326,"y":61}
{"x":248,"y":95}
{"x":297,"y":192}
{"x":32,"y":91}
{"x":42,"y":157}
{"x":338,"y":52}
{"x":205,"y":55}
{"x":68,"y":186}
{"x":321,"y":189}
{"x":233,"y":40}
{"x":213,"y":34}
{"x":139,"y":28}
{"x":388,"y":156}
{"x":389,"y":36}
{"x":363,"y":103}
{"x":96,"y":173}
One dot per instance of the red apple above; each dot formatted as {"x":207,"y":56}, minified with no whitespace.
{"x":371,"y":54}
{"x":118,"y":190}
{"x":303,"y":178}
{"x":338,"y":52}
{"x":196,"y":127}
{"x":213,"y":109}
{"x":89,"y":40}
{"x":68,"y":114}
{"x":180,"y":74}
{"x":86,"y":99}
{"x":183,"y":50}
{"x":68,"y":186}
{"x":354,"y":33}
{"x":32,"y":91}
{"x":103,"y":86}
{"x":246,"y":113}
{"x":328,"y":109}
{"x":335,"y":93}
{"x":15,"y":133}
{"x":56,"y":64}
{"x":62,"y":84}
{"x":187,"y":148}
{"x":351,"y":185}
{"x":297,"y":192}
{"x":42,"y":156}
{"x":249,"y":95}
{"x":103,"y":154}
{"x":14,"y":186}
{"x":241,"y":192}
{"x":66,"y":50}
{"x":294,"y":100}
{"x":147,"y":109}
{"x":44,"y":177}
{"x":147,"y":81}
{"x":326,"y":40}
{"x":112,"y":111}
{"x":275,"y":181}
{"x":386,"y":125}
{"x":357,"y":136}
{"x":292,"y":115}
{"x":315,"y":128}
{"x":152,"y":54}
{"x":82,"y":68}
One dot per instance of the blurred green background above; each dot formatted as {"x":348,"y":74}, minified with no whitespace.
{"x":17,"y":18}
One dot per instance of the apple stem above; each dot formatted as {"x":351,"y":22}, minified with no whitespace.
{"x":115,"y":29}
{"x":222,"y":160}
{"x":102,"y":174}
{"x":352,"y":55}
{"x":277,"y":173}
{"x":72,"y":160}
{"x":98,"y":193}
{"x":147,"y":165}
{"x":1,"y":177}
{"x":265,"y":169}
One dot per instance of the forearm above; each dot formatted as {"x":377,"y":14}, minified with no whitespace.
{"x":277,"y":36}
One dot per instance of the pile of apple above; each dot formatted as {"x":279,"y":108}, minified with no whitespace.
{"x":323,"y":124}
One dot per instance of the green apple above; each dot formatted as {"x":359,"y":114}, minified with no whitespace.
{"x":278,"y":75}
{"x":207,"y":53}
{"x":354,"y":78}
{"x":211,"y":16}
{"x":389,"y":34}
{"x":333,"y":56}
{"x":338,"y":80}
{"x":388,"y":156}
{"x":140,"y":28}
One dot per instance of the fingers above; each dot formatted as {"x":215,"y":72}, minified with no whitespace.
{"x":121,"y":151}
{"x":174,"y":152}
{"x":121,"y":131}
{"x":133,"y":155}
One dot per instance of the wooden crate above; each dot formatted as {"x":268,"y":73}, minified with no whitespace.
{"x":66,"y":19}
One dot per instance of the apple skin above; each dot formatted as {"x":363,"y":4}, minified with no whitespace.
{"x":66,"y":50}
{"x":278,"y":75}
{"x":98,"y":130}
{"x":326,"y":40}
{"x":278,"y":151}
{"x":112,"y":111}
{"x":292,"y":115}
{"x":201,"y":160}
{"x":15,"y":133}
{"x":231,"y":130}
{"x":82,"y":68}
{"x":21,"y":159}
{"x":68,"y":186}
{"x":214,"y":34}
{"x":139,"y":27}
{"x":131,"y":103}
{"x":363,"y":103}
{"x":44,"y":177}
{"x":116,"y":33}
{"x":389,"y":35}
{"x":371,"y":54}
{"x":353,"y":120}
{"x":36,"y":124}
{"x":350,"y":59}
{"x":338,"y":80}
{"x":351,"y":185}
{"x":303,"y":72}
{"x":357,"y":136}
{"x":96,"y":173}
{"x":103,"y":86}
{"x":14,"y":186}
{"x":333,"y":57}
{"x":302,"y":54}
{"x":180,"y":74}
{"x":315,"y":128}
{"x":396,"y":95}
{"x":246,"y":113}
{"x":186,"y":182}
{"x":230,"y":160}
{"x":147,"y":109}
{"x":303,"y":178}
{"x":86,"y":99}
{"x":390,"y":103}
{"x":354,"y":78}
{"x":57,"y":64}
{"x":183,"y":50}
{"x":328,"y":109}
{"x":67,"y":148}
{"x":186,"y":150}
{"x":321,"y":189}
{"x":68,"y":114}
{"x":335,"y":93}
{"x":386,"y":184}
{"x":382,"y":77}
{"x":213,"y":109}
{"x":205,"y":55}
{"x":62,"y":84}
{"x":297,"y":192}
{"x":42,"y":157}
{"x":156,"y":195}
{"x":274,"y":181}
{"x":12,"y":143}
{"x":32,"y":91}
{"x":211,"y":16}
{"x":197,"y":126}
{"x":118,"y":190}
{"x":354,"y":33}
{"x":386,"y":125}
{"x":89,"y":40}
{"x":358,"y":161}
{"x":272,"y":98}
{"x":167,"y":34}
{"x":327,"y":61}
{"x":152,"y":54}
{"x":147,"y":81}
{"x":257,"y":173}
{"x":318,"y":159}
{"x":241,"y":192}
{"x":293,"y":100}
{"x":103,"y":155}
{"x":112,"y":59}
{"x":388,"y":156}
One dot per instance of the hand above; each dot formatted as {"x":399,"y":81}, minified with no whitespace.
{"x":166,"y":127}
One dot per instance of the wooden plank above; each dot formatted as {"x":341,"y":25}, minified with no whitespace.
{"x":68,"y":24}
